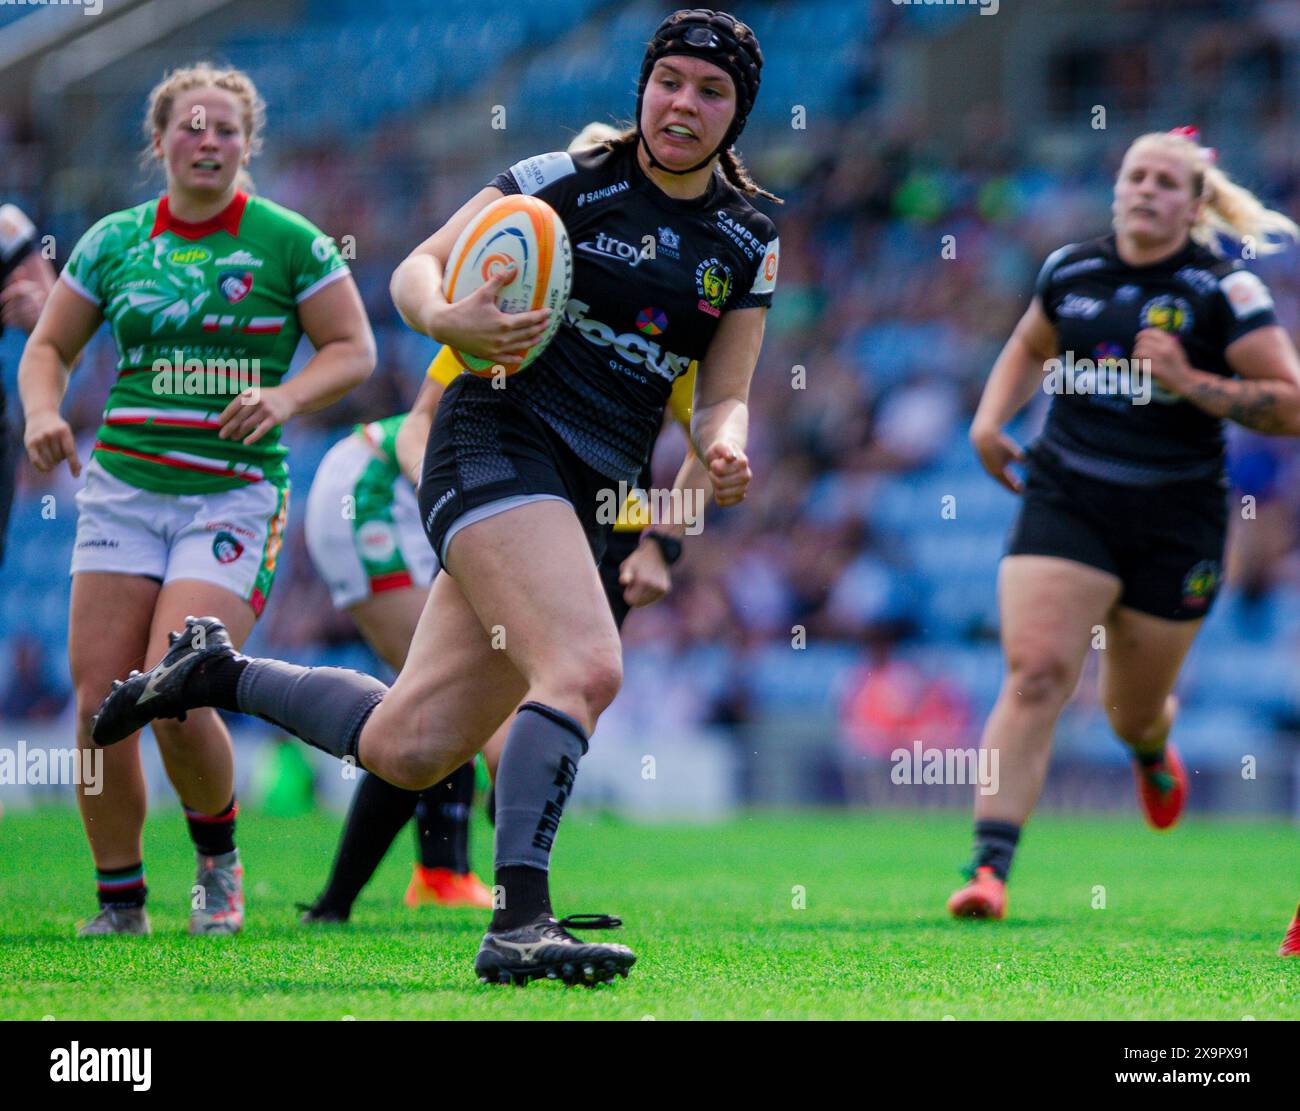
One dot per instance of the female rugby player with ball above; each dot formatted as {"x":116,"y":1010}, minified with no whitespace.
{"x":513,"y":477}
{"x":378,"y":566}
{"x":1124,"y":510}
{"x":207,"y":290}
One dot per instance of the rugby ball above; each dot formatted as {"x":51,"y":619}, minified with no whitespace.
{"x":527,"y":233}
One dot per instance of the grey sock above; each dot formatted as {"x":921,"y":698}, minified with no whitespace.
{"x":324,"y":706}
{"x":534,"y":781}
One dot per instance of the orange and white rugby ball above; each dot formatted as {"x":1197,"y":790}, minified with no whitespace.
{"x":520,"y":231}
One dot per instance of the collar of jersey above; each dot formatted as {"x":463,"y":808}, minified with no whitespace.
{"x":1173,"y":262}
{"x":226,"y":220}
{"x":661,"y":198}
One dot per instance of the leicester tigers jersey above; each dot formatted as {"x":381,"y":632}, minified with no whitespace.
{"x":199,"y":313}
{"x":1139,"y":433}
{"x":652,"y":277}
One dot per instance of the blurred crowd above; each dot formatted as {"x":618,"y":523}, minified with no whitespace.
{"x":904,"y":267}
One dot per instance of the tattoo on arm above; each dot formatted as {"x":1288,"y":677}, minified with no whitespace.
{"x":1249,"y":403}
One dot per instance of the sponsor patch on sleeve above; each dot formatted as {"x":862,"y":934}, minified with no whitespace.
{"x":16,"y":231}
{"x":536,"y":173}
{"x":765,"y":279}
{"x":1245,"y":293}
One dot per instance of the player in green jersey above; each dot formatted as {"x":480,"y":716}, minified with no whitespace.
{"x":207,"y":291}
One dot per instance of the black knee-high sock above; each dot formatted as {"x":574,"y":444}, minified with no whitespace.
{"x":534,"y":781}
{"x":995,"y":846}
{"x":324,"y":706}
{"x":442,"y":821}
{"x":213,"y":834}
{"x":378,"y":812}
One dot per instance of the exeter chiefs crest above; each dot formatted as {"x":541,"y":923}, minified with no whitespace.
{"x":235,"y":284}
{"x":713,"y":283}
{"x":1168,"y":313}
{"x":1201,"y":583}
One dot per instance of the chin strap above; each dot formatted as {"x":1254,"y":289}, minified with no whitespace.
{"x":660,"y":166}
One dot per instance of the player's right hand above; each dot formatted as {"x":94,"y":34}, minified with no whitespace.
{"x":997,"y":451}
{"x":475,"y":325}
{"x":49,"y":440}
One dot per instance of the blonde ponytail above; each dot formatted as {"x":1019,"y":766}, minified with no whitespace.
{"x":1228,"y":209}
{"x":1236,"y":212}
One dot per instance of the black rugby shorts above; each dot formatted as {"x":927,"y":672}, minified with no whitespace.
{"x":487,"y":446}
{"x":1165,"y":543}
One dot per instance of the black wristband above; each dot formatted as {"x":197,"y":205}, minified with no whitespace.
{"x":670,"y":546}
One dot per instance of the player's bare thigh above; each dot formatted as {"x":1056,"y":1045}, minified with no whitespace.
{"x":108,"y":632}
{"x":1139,"y":667}
{"x":1049,"y":608}
{"x":453,"y":691}
{"x":388,"y":621}
{"x":530,"y":577}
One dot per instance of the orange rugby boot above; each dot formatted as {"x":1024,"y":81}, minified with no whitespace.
{"x":1291,"y":943}
{"x":1162,"y":789}
{"x":985,"y":896}
{"x":445,"y":888}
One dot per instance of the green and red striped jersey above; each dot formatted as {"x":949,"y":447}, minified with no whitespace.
{"x":198,"y":313}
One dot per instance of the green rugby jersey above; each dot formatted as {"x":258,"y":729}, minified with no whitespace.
{"x":382,"y":436}
{"x":217,"y":303}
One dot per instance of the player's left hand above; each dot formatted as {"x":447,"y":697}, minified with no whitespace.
{"x":1169,"y":365}
{"x":644,"y":576}
{"x":254,"y":413}
{"x":729,"y":472}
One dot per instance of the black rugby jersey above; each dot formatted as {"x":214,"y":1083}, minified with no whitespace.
{"x":1098,"y":304}
{"x":652,"y":276}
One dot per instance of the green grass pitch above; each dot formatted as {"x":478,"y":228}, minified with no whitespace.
{"x":1190,"y":926}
